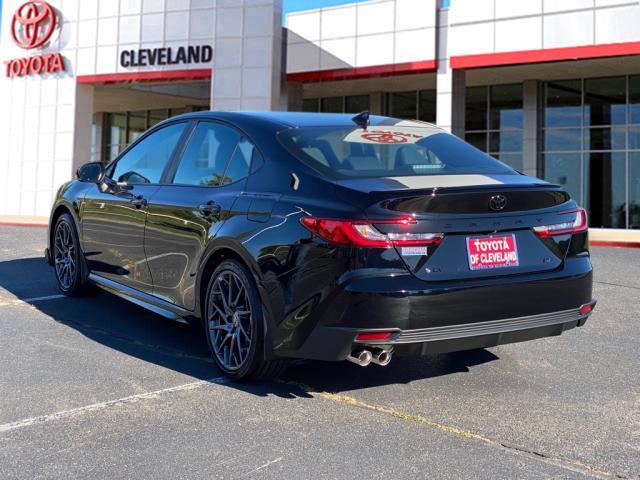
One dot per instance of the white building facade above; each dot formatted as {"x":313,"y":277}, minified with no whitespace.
{"x":551,"y":88}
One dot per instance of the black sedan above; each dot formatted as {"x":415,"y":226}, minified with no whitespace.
{"x":323,"y":236}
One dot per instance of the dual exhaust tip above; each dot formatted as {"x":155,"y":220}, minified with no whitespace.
{"x":365,"y":357}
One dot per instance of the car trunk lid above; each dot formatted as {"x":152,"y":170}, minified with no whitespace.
{"x":473,"y":212}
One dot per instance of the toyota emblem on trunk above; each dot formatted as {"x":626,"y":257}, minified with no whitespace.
{"x":497,"y":202}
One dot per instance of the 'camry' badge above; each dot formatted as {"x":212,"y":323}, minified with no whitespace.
{"x":497,"y":202}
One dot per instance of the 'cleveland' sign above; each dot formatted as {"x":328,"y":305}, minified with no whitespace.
{"x":149,"y":57}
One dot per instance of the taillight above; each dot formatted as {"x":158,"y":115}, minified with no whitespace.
{"x":579,"y":224}
{"x":361,"y":233}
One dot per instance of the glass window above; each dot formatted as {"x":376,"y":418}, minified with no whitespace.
{"x":118,"y":128}
{"x":476,"y":108}
{"x":205,"y":159}
{"x":562,"y":139}
{"x":478,"y":140}
{"x":564,"y":104}
{"x":146,"y":161}
{"x":403,"y":105}
{"x":607,"y":190}
{"x":605,"y":101}
{"x":137,"y":125}
{"x":634,"y":190}
{"x":634,"y":99}
{"x":634,"y":138}
{"x":157,"y":116}
{"x":564,"y":169}
{"x":387,"y":151}
{"x":506,"y":107}
{"x":506,"y":141}
{"x":514,"y":160}
{"x":311,"y":105}
{"x":427,"y":106}
{"x":356,"y":103}
{"x":331,"y":105}
{"x":604,"y":138}
{"x":240,"y":163}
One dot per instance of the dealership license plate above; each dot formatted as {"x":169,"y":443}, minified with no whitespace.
{"x":492,"y":252}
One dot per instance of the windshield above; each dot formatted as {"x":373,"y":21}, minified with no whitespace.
{"x":387,"y":151}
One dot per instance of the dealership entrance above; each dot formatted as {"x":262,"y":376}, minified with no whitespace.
{"x":123,"y":112}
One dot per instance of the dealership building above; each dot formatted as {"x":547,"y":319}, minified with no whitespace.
{"x":551,"y":88}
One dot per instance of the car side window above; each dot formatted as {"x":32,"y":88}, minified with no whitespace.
{"x":205,"y":160}
{"x":146,"y":161}
{"x":240,"y":163}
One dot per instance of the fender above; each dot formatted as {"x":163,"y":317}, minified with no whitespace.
{"x":67,"y":197}
{"x":215,"y":245}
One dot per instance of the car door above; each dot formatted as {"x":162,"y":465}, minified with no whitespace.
{"x":113,"y":224}
{"x":207,"y":179}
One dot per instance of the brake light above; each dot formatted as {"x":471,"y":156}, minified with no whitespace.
{"x":361,"y":233}
{"x":576,"y":226}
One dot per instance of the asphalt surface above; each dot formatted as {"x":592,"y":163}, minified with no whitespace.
{"x":99,"y":388}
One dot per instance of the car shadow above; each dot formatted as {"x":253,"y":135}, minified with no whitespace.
{"x":127,"y":328}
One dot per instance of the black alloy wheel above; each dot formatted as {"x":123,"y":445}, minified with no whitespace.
{"x":234,"y":324}
{"x":67,"y":257}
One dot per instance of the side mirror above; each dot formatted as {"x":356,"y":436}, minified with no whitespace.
{"x":91,"y":172}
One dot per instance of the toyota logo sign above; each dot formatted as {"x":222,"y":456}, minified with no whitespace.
{"x":497,"y":202}
{"x":31,"y":27}
{"x":33,"y":24}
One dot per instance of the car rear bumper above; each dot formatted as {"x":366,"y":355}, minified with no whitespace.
{"x":427,"y":318}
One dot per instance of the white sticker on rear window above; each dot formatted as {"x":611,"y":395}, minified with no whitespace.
{"x":413,"y":251}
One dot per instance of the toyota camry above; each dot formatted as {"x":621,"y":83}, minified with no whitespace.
{"x":324,"y":236}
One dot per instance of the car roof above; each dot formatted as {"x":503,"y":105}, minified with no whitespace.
{"x":302,"y":119}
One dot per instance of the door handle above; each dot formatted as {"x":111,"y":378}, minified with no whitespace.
{"x":139,"y":202}
{"x":210,"y":209}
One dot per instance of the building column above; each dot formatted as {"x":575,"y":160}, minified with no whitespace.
{"x":247,"y":64}
{"x":83,"y":124}
{"x":530,"y":124}
{"x":450,"y":84}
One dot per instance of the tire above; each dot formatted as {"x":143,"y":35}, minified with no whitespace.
{"x":68,"y":260}
{"x":233,"y":321}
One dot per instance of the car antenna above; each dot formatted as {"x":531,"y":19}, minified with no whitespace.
{"x":362,"y":119}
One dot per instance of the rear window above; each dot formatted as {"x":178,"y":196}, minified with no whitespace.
{"x":387,"y":151}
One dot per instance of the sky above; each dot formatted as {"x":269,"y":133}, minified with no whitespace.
{"x":298,"y":5}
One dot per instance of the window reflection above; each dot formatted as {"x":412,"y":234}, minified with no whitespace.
{"x":605,"y":101}
{"x":608,"y":138}
{"x":563,"y":104}
{"x":506,"y":107}
{"x":607,"y":199}
{"x":634,"y":190}
{"x":564,"y":169}
{"x":403,"y":104}
{"x":562,"y":139}
{"x":332,"y":105}
{"x":591,"y":119}
{"x":476,"y":105}
{"x":494,"y":121}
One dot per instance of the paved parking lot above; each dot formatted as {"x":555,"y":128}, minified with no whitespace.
{"x":99,"y":388}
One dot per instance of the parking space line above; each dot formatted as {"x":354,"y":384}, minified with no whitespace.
{"x":41,"y":299}
{"x":569,"y":464}
{"x":74,"y":412}
{"x":20,"y":301}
